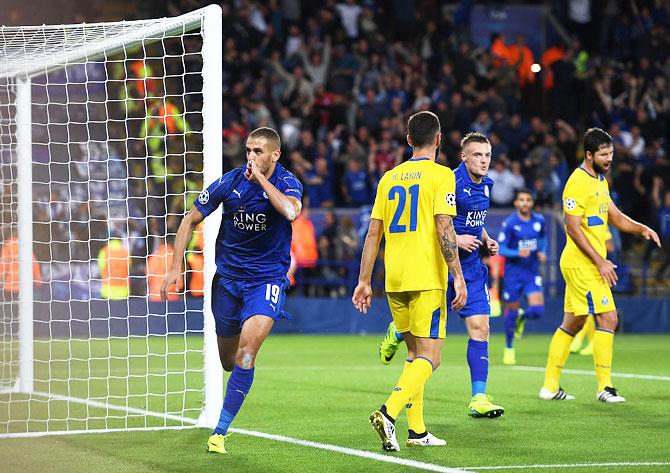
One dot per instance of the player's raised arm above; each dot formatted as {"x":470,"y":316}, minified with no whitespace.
{"x":287,"y":205}
{"x":186,"y":227}
{"x":363,"y":293}
{"x":626,"y":224}
{"x":446,"y":235}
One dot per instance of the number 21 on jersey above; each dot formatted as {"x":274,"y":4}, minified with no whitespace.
{"x":400,"y":193}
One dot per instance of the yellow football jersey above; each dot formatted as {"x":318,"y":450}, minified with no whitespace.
{"x":408,"y":197}
{"x":588,"y":197}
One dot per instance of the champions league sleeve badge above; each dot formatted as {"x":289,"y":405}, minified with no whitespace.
{"x":203,"y":198}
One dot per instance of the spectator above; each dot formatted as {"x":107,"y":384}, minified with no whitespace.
{"x":349,"y":13}
{"x":356,"y":187}
{"x":505,"y":183}
{"x":319,"y":185}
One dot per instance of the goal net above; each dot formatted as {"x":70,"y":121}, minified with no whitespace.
{"x":107,"y":133}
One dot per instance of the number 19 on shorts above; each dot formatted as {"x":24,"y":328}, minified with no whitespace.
{"x":272,"y":293}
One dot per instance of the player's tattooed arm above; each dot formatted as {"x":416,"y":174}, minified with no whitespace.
{"x":446,"y":236}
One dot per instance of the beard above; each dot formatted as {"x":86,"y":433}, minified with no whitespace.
{"x":598,"y":168}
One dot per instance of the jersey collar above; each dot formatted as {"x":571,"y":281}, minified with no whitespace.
{"x":599,"y":176}
{"x":418,"y":159}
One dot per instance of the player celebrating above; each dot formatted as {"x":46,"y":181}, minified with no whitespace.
{"x":252,"y":258}
{"x":523,"y":243}
{"x":473,"y":189}
{"x":413,"y":208}
{"x":587,"y":207}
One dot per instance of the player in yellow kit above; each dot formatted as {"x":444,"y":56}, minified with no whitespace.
{"x":413,"y":209}
{"x":589,"y":276}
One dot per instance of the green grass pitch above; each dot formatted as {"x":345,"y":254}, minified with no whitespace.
{"x":322,"y":388}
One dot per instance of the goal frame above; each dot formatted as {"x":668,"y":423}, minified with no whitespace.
{"x":20,"y":75}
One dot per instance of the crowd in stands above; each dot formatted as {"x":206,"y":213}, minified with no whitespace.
{"x":339,"y":79}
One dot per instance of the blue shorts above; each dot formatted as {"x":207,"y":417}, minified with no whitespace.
{"x":234,"y":301}
{"x":476,"y":280}
{"x":516,"y":287}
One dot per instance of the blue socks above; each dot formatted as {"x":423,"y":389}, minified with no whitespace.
{"x":478,"y":360}
{"x":534,"y":311}
{"x":510,"y":326}
{"x":237,"y":389}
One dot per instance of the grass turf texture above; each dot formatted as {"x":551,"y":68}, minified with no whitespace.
{"x":322,"y":388}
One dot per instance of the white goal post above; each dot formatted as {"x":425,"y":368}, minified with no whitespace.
{"x":108,"y":131}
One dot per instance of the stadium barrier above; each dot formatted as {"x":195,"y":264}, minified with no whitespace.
{"x":137,"y":317}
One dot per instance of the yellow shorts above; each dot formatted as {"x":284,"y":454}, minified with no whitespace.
{"x":586,"y":292}
{"x":422,"y":313}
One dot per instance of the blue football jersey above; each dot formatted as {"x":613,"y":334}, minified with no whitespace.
{"x":518,"y":234}
{"x":254,"y":240}
{"x":472,"y":204}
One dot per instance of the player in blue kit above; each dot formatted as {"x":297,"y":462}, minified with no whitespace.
{"x":473,"y":189}
{"x":523,"y":243}
{"x":252,"y":258}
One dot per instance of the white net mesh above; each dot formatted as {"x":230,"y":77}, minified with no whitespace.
{"x":117,"y":158}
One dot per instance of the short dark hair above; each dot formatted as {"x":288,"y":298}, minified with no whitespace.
{"x":524,"y":190}
{"x":422,"y":128}
{"x":594,"y":138}
{"x":474,"y":137}
{"x":270,"y":135}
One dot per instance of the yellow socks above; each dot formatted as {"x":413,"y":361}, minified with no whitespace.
{"x":415,"y":412}
{"x":589,"y":328}
{"x":559,"y":349}
{"x":603,"y":343}
{"x":411,"y":382}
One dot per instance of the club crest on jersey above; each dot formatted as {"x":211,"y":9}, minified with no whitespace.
{"x":203,"y":198}
{"x":570,"y":203}
{"x":451,"y":199}
{"x":537,"y":226}
{"x":486,"y":191}
{"x":265,"y":196}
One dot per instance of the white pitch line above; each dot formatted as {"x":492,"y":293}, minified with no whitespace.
{"x":279,"y":438}
{"x":566,"y":465}
{"x":353,"y":452}
{"x":591,"y":373}
{"x":305,"y":443}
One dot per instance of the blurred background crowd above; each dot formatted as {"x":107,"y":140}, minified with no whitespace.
{"x":339,"y":79}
